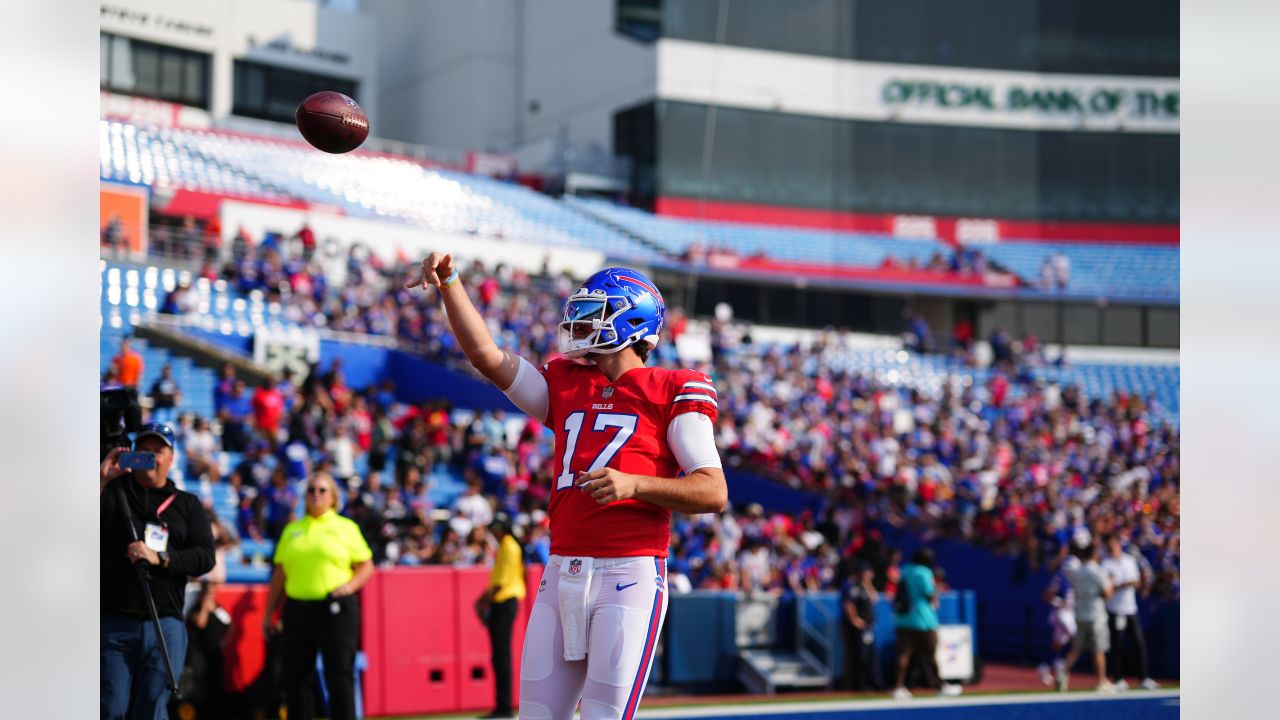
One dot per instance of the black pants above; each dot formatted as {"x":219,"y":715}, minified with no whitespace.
{"x":311,"y":626}
{"x":1121,"y":656}
{"x":920,"y":647}
{"x":502,"y":615}
{"x":861,"y":670}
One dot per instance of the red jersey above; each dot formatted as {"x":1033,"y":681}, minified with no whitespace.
{"x":268,"y":408}
{"x":621,"y":425}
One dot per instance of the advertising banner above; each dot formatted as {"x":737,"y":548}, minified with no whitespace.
{"x":955,"y":652}
{"x":126,"y":206}
{"x":927,"y":94}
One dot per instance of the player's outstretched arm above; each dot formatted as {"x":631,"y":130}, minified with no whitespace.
{"x":468,"y":325}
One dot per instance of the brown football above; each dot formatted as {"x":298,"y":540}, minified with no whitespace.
{"x":332,"y":122}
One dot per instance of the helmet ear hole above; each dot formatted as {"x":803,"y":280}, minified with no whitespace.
{"x":636,"y":322}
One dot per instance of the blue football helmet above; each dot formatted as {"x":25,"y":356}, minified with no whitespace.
{"x":615,"y":308}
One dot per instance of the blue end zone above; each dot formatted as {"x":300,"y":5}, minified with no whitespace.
{"x":1164,"y":706}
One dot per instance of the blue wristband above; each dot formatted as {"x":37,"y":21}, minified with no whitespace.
{"x":451,"y":279}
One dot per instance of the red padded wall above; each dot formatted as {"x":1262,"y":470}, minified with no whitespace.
{"x":419,"y":632}
{"x":475,"y":676}
{"x":371,"y":642}
{"x":245,"y":650}
{"x":418,"y":663}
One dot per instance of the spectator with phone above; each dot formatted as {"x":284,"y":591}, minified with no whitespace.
{"x":321,"y":562}
{"x":177,"y":544}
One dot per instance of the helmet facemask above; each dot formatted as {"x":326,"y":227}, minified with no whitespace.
{"x":588,"y":325}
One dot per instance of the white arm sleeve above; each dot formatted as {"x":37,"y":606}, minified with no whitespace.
{"x":692,"y":440}
{"x":529,"y":392}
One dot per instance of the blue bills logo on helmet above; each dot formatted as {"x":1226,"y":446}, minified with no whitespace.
{"x":615,"y":308}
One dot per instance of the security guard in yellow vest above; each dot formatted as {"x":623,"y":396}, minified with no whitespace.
{"x":321,"y":561}
{"x":498,"y":606}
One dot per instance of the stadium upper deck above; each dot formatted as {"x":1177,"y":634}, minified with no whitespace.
{"x":405,"y":191}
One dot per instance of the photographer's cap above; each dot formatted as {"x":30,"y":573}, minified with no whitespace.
{"x":160,"y":430}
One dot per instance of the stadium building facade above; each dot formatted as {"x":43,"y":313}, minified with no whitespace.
{"x":986,"y":119}
{"x":1001,"y":124}
{"x":184,"y":62}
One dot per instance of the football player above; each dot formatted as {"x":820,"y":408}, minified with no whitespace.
{"x":632,"y":444}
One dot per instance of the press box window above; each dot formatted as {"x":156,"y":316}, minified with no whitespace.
{"x":136,"y":67}
{"x":273,"y":93}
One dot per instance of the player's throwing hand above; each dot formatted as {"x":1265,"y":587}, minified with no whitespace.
{"x":607,"y":485}
{"x":436,"y":270}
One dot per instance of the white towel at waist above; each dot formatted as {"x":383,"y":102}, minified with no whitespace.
{"x":573,"y":595}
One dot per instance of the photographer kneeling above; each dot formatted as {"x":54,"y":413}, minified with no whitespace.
{"x":176,"y":543}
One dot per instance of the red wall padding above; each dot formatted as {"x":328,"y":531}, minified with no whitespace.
{"x":416,"y":665}
{"x":245,"y":651}
{"x":426,"y":649}
{"x":475,"y":677}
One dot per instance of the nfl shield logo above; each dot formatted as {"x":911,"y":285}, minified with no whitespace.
{"x":575,"y":567}
{"x":608,"y":393}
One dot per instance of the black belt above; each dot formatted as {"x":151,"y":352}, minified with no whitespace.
{"x":321,"y":601}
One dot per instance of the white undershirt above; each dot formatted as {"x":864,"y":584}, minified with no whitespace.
{"x":690,"y":435}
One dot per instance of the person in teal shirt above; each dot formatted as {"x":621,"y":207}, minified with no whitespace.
{"x":915,"y":611}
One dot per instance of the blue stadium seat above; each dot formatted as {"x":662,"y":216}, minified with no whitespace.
{"x":395,"y":189}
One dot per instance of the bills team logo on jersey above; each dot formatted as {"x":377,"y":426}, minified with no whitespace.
{"x":607,"y":393}
{"x":575,"y":567}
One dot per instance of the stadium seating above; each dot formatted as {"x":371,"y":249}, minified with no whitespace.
{"x":196,"y":383}
{"x":366,"y":185}
{"x":1121,"y":272}
{"x":153,"y":157}
{"x":931,"y":372}
{"x":129,"y":291}
{"x":814,"y":246}
{"x":403,"y":190}
{"x":1114,"y":271}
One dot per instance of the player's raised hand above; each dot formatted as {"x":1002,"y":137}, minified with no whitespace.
{"x":436,"y":269}
{"x":607,"y":485}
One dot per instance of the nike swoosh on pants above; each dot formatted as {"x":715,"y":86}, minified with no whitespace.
{"x":621,"y":587}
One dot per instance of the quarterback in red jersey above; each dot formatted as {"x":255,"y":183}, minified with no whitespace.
{"x":632,"y":445}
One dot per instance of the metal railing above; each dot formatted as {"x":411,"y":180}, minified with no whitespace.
{"x":814,"y":640}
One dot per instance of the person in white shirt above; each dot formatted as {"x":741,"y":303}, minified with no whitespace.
{"x":1122,"y":615}
{"x":342,"y":450}
{"x":472,"y":507}
{"x":756,"y":566}
{"x":201,"y":446}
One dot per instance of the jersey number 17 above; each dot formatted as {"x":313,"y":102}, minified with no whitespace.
{"x":625,"y":427}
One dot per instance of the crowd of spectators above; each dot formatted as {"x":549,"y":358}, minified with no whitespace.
{"x":964,"y":262}
{"x":1011,"y":464}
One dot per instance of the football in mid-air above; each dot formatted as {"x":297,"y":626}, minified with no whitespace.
{"x":332,"y":122}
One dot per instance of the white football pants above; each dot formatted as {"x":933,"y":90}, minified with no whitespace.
{"x":627,"y":600}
